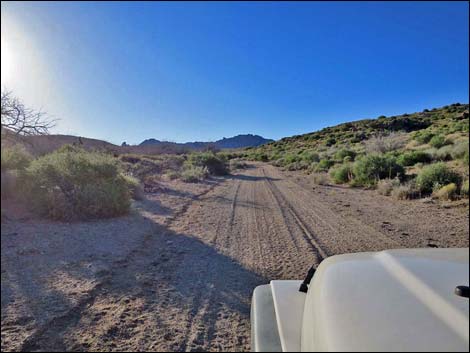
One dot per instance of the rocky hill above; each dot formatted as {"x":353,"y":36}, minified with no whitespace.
{"x":239,"y":141}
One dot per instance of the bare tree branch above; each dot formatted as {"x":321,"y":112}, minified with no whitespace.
{"x":22,"y":120}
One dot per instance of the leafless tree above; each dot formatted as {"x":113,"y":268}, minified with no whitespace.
{"x":21,"y":120}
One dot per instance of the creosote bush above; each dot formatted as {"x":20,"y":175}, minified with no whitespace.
{"x":73,"y":184}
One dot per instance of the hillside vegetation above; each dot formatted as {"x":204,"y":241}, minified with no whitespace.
{"x":408,"y":156}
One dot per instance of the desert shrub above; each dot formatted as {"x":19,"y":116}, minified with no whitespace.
{"x":214,"y":164}
{"x":443,"y":154}
{"x":324,"y":165}
{"x":411,"y":158}
{"x":341,"y":154}
{"x":259,"y":156}
{"x":464,"y":190}
{"x":135,"y":187}
{"x":296,"y":165}
{"x":290,"y":158}
{"x":405,"y":191}
{"x":460,"y":150}
{"x":385,"y":143}
{"x":320,"y":178}
{"x":424,"y":136}
{"x":447,"y":192}
{"x":386,"y":186}
{"x":371,"y":168}
{"x":438,"y":141}
{"x":342,"y":174}
{"x":310,"y":157}
{"x":14,"y":158}
{"x":330,"y":141}
{"x":437,"y":173}
{"x":74,"y":184}
{"x":194,"y":174}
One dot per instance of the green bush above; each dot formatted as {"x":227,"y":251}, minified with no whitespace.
{"x":373,"y":167}
{"x":71,"y":184}
{"x":435,"y":174}
{"x":424,"y":136}
{"x":438,"y":141}
{"x":324,"y":165}
{"x":215,"y":164}
{"x":194,"y":174}
{"x":341,"y":154}
{"x":342,"y":174}
{"x":14,"y":158}
{"x":309,"y":157}
{"x":411,"y":158}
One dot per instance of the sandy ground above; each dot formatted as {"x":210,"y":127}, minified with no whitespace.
{"x":177,"y":273}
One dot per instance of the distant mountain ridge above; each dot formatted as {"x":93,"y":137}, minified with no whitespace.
{"x":239,"y":141}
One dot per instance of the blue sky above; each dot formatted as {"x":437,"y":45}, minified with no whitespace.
{"x":201,"y":71}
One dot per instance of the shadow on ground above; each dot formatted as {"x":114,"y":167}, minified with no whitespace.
{"x":160,"y":290}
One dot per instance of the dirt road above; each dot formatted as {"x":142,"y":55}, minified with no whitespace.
{"x":187,"y":284}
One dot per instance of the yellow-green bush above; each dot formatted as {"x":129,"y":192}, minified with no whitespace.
{"x":72,"y":184}
{"x":464,"y":190}
{"x":194,"y":174}
{"x":14,"y":158}
{"x":447,"y":192}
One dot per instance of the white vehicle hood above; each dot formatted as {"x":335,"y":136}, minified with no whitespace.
{"x":399,"y":300}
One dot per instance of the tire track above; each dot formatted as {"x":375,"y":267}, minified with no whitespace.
{"x":332,"y":228}
{"x":308,"y":233}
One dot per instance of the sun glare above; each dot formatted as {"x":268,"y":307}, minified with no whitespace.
{"x":5,"y":61}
